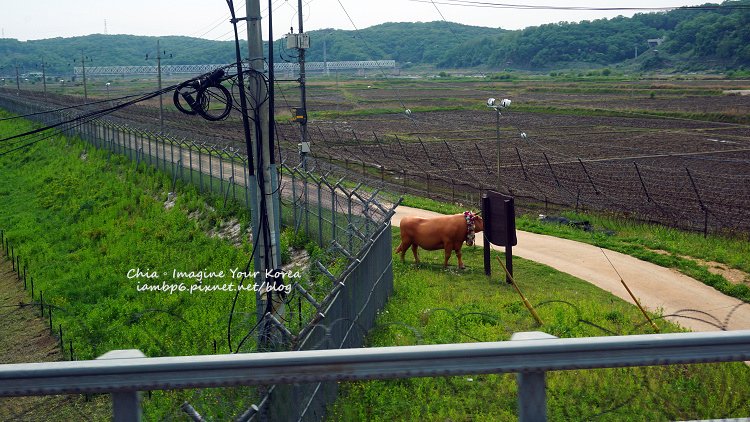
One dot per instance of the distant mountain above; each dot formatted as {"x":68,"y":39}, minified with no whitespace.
{"x":62,"y":54}
{"x":404,"y":42}
{"x":713,"y":36}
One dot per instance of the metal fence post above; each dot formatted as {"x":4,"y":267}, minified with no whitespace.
{"x":200,"y":171}
{"x":320,"y":213}
{"x":210,"y":172}
{"x":126,"y":405}
{"x":151,"y":157}
{"x":294,"y":204}
{"x":221,"y":173}
{"x":164,"y":153}
{"x":333,"y":210}
{"x":306,"y":203}
{"x":234,"y":181}
{"x":532,"y":394}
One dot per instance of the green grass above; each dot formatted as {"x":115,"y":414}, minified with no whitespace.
{"x":82,"y":219}
{"x":433,"y":306}
{"x":82,"y":222}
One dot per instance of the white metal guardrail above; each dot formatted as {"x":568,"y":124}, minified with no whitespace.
{"x":124,"y":373}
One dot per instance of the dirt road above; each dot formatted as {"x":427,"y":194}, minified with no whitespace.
{"x":689,"y":302}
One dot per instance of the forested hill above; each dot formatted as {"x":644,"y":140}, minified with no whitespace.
{"x":404,"y":42}
{"x":713,"y":37}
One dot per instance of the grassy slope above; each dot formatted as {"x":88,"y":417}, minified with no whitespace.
{"x":82,"y":222}
{"x":432,"y":305}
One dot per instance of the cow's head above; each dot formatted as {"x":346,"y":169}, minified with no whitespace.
{"x":478,"y":224}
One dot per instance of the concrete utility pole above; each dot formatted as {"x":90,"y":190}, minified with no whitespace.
{"x":85,"y":87}
{"x":161,"y":100}
{"x":304,"y":146}
{"x":18,"y":82}
{"x":44,"y":79}
{"x":265,"y":196}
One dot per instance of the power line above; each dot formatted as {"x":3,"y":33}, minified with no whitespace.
{"x":68,"y":108}
{"x":368,"y":46}
{"x":88,"y":115}
{"x":493,"y":5}
{"x":438,"y":10}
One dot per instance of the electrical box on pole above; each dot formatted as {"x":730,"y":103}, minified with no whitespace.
{"x":299,"y":41}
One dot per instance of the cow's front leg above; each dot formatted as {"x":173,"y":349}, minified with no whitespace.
{"x":416,"y":255}
{"x":460,"y":261}
{"x":448,"y":249}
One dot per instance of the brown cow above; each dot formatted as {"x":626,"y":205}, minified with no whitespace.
{"x":445,"y":232}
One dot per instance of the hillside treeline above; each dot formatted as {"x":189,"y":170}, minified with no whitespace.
{"x":714,"y":36}
{"x":695,"y":36}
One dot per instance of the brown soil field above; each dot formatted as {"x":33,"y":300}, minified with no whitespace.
{"x":597,"y":149}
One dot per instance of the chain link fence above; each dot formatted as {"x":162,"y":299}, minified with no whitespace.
{"x":351,"y":223}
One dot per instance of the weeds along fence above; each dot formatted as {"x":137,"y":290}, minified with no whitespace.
{"x":20,"y":267}
{"x":341,"y":299}
{"x":668,"y":188}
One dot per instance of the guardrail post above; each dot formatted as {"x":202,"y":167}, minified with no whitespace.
{"x":532,"y":386}
{"x":126,"y":405}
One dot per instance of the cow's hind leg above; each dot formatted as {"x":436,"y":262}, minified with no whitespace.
{"x":414,"y":250}
{"x":402,"y":248}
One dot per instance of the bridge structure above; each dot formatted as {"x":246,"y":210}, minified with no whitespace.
{"x":204,"y":68}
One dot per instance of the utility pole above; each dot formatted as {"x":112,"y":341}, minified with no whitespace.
{"x":499,"y":151}
{"x":304,"y":145}
{"x":44,"y":79}
{"x":18,"y":82}
{"x":85,"y":87}
{"x":325,"y":53}
{"x":263,"y":179}
{"x":161,"y":100}
{"x":492,"y":103}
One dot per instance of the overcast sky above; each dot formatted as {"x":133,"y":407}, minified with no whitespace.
{"x":209,"y":18}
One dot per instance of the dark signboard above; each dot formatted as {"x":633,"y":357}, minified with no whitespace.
{"x":499,"y":219}
{"x":499,"y":214}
